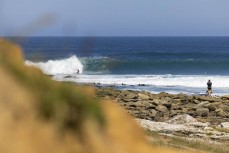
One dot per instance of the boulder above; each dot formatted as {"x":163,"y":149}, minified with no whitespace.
{"x":224,"y":125}
{"x":162,"y":108}
{"x":177,"y":100}
{"x":153,"y":113}
{"x":202,"y":112}
{"x":206,"y":98}
{"x":182,"y":119}
{"x":130,"y":96}
{"x":224,"y":108}
{"x":185,"y":110}
{"x":156,"y":102}
{"x":166,"y":103}
{"x":211,"y":107}
{"x":143,"y":96}
{"x":196,"y":101}
{"x":225,"y":97}
{"x":175,"y":112}
{"x":220,"y":113}
{"x":202,"y":104}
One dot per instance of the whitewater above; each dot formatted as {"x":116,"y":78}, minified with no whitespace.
{"x":67,"y":70}
{"x":67,"y":66}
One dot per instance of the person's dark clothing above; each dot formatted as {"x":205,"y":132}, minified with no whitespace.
{"x":209,"y":85}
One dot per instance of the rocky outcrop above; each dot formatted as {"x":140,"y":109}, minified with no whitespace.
{"x":164,"y":106}
{"x":186,"y":126}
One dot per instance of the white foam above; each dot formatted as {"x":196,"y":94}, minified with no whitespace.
{"x":67,"y":66}
{"x":194,"y":81}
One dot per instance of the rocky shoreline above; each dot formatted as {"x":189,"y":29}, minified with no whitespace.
{"x":180,"y":114}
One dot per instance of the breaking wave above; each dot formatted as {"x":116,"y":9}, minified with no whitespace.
{"x":68,"y":66}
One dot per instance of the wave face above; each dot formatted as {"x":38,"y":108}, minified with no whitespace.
{"x":67,"y":66}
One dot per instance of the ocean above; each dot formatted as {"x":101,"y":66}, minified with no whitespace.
{"x":154,"y":64}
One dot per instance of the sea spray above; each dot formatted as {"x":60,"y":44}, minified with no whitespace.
{"x":69,"y":66}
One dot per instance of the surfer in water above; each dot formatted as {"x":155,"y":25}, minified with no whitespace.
{"x":209,"y":91}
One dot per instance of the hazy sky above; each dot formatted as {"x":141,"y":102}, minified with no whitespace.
{"x":115,"y":17}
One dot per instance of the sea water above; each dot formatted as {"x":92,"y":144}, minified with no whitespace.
{"x":155,"y":64}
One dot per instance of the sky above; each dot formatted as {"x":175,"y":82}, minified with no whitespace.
{"x":114,"y":17}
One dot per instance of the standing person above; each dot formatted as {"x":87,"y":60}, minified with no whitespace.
{"x":209,"y":91}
